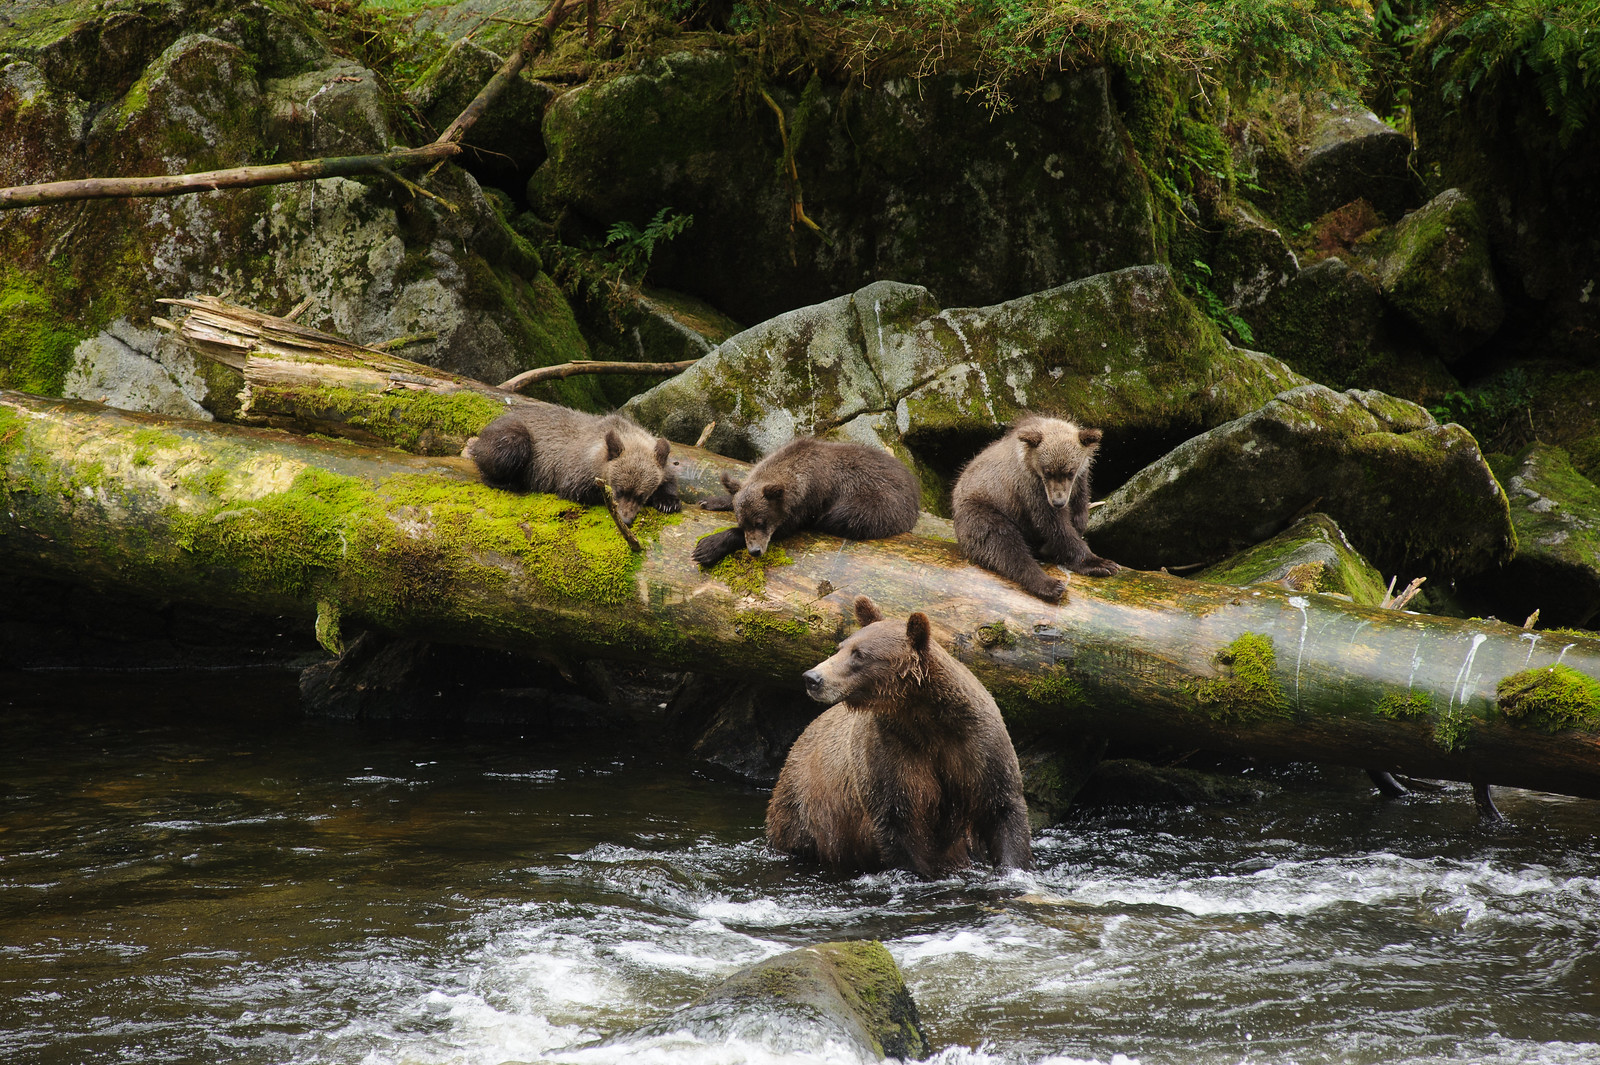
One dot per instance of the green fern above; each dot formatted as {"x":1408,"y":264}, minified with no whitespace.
{"x":637,"y":246}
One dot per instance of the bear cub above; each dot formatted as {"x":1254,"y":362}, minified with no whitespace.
{"x":1026,"y":497}
{"x":848,"y":490}
{"x":911,"y":768}
{"x":546,"y":448}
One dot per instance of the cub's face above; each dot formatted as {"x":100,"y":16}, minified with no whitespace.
{"x":634,"y":475}
{"x":882,"y":658}
{"x":759,"y":511}
{"x":1058,"y":457}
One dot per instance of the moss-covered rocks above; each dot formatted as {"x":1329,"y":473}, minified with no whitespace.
{"x":1412,"y":495}
{"x":1123,"y":351}
{"x":1312,"y":555}
{"x":1034,"y":196}
{"x":1437,"y":273}
{"x":1556,"y":512}
{"x":190,"y":85}
{"x":848,"y":994}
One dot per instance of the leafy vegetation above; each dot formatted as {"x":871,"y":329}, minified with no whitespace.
{"x":635,"y":246}
{"x":1493,"y":412}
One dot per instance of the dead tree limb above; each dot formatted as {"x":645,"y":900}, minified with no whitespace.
{"x":269,"y":522}
{"x":578,"y":367}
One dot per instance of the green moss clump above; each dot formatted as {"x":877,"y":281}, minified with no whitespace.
{"x":870,"y":982}
{"x":1402,"y":706}
{"x":423,"y":423}
{"x":35,"y":351}
{"x":146,"y":441}
{"x":746,"y":575}
{"x":1249,"y":689}
{"x":759,"y":626}
{"x":1552,"y":698}
{"x":995,"y":634}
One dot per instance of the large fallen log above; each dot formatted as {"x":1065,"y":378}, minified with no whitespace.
{"x":265,"y":521}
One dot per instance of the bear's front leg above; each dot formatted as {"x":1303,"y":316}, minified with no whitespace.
{"x":1072,"y":551}
{"x":1008,"y":838}
{"x":718,"y":546}
{"x":665,"y":498}
{"x":994,"y":542}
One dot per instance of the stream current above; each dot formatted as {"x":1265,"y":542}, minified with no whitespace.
{"x":191,"y":872}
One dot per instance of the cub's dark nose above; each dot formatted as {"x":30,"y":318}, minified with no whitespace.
{"x":755,"y":552}
{"x":813,"y":681}
{"x":1061,"y":505}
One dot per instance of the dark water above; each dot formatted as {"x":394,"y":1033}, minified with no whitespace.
{"x":189,"y":872}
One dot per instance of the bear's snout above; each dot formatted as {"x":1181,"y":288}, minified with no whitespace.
{"x":813,"y":681}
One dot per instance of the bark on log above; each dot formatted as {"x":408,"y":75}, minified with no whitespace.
{"x":264,"y":521}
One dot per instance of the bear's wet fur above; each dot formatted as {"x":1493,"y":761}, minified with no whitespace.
{"x":911,"y":768}
{"x":546,"y":448}
{"x":848,"y":490}
{"x":1025,"y":497}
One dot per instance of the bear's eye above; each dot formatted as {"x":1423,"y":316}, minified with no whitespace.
{"x":856,"y":655}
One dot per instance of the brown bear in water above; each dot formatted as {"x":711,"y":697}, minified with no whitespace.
{"x":848,"y":490}
{"x":1026,"y":497}
{"x":912,"y":768}
{"x":546,"y":448}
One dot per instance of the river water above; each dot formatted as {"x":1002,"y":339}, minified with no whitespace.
{"x":190,"y":872}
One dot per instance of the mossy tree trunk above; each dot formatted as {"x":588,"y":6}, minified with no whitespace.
{"x":266,"y":521}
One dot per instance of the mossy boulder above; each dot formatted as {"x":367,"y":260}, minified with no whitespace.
{"x":1496,"y":139}
{"x":1412,"y":495}
{"x":1039,"y":194}
{"x":1311,"y":555}
{"x":510,"y":127}
{"x":194,"y":85}
{"x":1556,"y":512}
{"x":846,"y":994}
{"x":1123,"y":351}
{"x":1437,"y":273}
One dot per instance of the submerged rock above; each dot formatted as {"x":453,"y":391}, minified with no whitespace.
{"x":1412,"y":495}
{"x":1130,"y":782}
{"x":1037,"y":195}
{"x":844,"y":994}
{"x":1123,"y":351}
{"x":1556,"y":511}
{"x":1312,"y":555}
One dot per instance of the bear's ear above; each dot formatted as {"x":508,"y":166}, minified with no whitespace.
{"x":663,"y":449}
{"x":1031,"y":437}
{"x":731,"y":483}
{"x":867,"y":611}
{"x":1089,"y":437}
{"x":613,"y":444}
{"x":773,"y":492}
{"x":917,"y":631}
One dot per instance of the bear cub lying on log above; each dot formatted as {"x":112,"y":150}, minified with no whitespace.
{"x":912,"y":768}
{"x":546,"y":448}
{"x":848,"y":490}
{"x":1026,"y":497}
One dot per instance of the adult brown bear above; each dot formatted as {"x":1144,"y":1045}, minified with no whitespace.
{"x":912,"y":768}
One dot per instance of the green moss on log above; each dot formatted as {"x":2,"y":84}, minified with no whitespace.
{"x":1404,"y":706}
{"x":1552,"y":698}
{"x":1248,"y":689}
{"x":421,"y":422}
{"x":746,"y":575}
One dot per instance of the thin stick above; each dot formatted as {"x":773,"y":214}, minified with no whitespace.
{"x":1399,"y":602}
{"x":239,"y":177}
{"x":586,"y":366}
{"x":611,"y":508}
{"x":534,"y":40}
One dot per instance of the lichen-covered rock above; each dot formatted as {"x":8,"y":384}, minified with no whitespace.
{"x":194,"y":86}
{"x":1123,"y":351}
{"x":1412,"y":495}
{"x":137,"y":369}
{"x":1438,"y":274}
{"x":1556,"y":511}
{"x":1037,"y":195}
{"x":1250,"y":261}
{"x":1312,"y":555}
{"x":510,"y":127}
{"x":846,"y":994}
{"x":1350,"y":154}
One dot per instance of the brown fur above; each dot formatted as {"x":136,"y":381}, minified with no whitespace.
{"x":848,"y":490}
{"x":1025,"y":497}
{"x":912,"y":768}
{"x":545,"y":448}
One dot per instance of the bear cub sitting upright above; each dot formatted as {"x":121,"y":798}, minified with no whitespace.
{"x":1026,"y":497}
{"x":546,"y":448}
{"x":912,"y":768}
{"x":848,"y":490}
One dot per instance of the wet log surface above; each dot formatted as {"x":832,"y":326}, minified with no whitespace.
{"x":266,"y":521}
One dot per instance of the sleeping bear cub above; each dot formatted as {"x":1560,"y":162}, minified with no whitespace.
{"x":848,"y":490}
{"x":911,"y":768}
{"x":546,"y":448}
{"x":1026,"y":497}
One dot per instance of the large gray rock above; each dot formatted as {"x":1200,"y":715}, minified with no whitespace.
{"x":509,"y":128}
{"x":842,"y":995}
{"x":911,"y":179}
{"x":1437,"y":273}
{"x":1312,"y":555}
{"x":1556,"y":512}
{"x":195,"y":86}
{"x":1412,"y":495}
{"x":1350,"y":154}
{"x":1123,"y":351}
